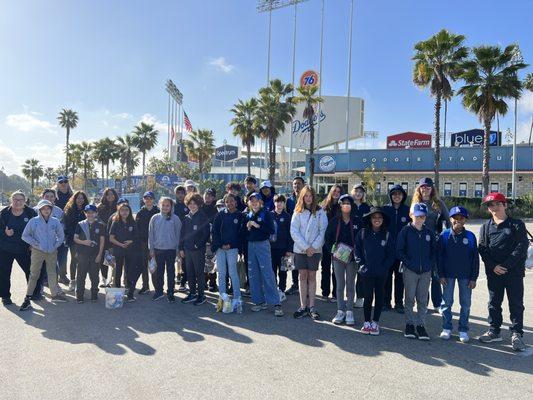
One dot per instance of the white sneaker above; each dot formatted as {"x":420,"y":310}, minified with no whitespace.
{"x":445,"y":334}
{"x":350,"y":320}
{"x":72,"y":286}
{"x":359,"y":303}
{"x":463,"y":337}
{"x":339,"y":318}
{"x":282,"y":296}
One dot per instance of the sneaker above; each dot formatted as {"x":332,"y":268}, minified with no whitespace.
{"x":246,"y":293}
{"x":374,"y":328}
{"x":143,"y":290}
{"x":490,"y":336}
{"x":72,"y":285}
{"x":437,"y":310}
{"x":157,"y":296}
{"x":517,"y":342}
{"x":386,"y":307}
{"x":37,"y":297}
{"x":400,"y":309}
{"x":367,"y":327}
{"x":130,"y":298}
{"x":292,"y":290}
{"x":182,"y":288}
{"x":6,"y":301}
{"x":278,"y":311}
{"x":463,"y":337}
{"x":60,"y":298}
{"x":333,"y":299}
{"x":191,"y":298}
{"x":445,"y":334}
{"x":26,"y":305}
{"x":213,"y":289}
{"x":300,"y":313}
{"x":339,"y":318}
{"x":200,"y":300}
{"x":258,"y":307}
{"x":79,"y":301}
{"x":63,"y":280}
{"x":350,"y":320}
{"x":410,"y":331}
{"x":313,"y":313}
{"x":359,"y":303}
{"x":171,"y":299}
{"x":422,"y":333}
{"x":282,"y":296}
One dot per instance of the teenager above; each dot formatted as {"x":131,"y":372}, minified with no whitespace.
{"x":190,"y":186}
{"x":267,"y":192}
{"x":342,"y":231}
{"x":63,"y":194}
{"x":398,"y":214}
{"x":226,"y":233}
{"x":235,"y":189}
{"x":360,"y":208}
{"x":163,"y":241}
{"x":375,"y":253}
{"x":192,"y":246}
{"x":259,"y":225}
{"x":250,"y":186}
{"x":503,"y":246}
{"x":416,"y":250}
{"x":181,"y":210}
{"x":332,"y":208}
{"x":90,"y":238}
{"x":74,"y":214}
{"x":297,"y":185}
{"x":106,"y":208}
{"x":458,"y":262}
{"x":44,"y":234}
{"x":210,"y":210}
{"x":142,"y":219}
{"x":281,"y":244}
{"x":308,"y":228}
{"x":437,"y":216}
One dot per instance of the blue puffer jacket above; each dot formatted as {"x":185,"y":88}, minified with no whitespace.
{"x":398,"y":217}
{"x":458,"y":256}
{"x":374,"y":250}
{"x":416,"y":249}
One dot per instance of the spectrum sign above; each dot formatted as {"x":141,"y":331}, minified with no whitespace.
{"x":409,"y":140}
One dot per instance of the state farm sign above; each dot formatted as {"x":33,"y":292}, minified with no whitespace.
{"x":409,"y":140}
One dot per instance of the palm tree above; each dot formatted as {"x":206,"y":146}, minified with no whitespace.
{"x":307,"y":95}
{"x":200,"y":146}
{"x":490,"y":77}
{"x":243,"y":125}
{"x":83,"y":153}
{"x":275,"y":110}
{"x":49,"y":174}
{"x":32,"y":171}
{"x":438,"y":61}
{"x":528,"y":84}
{"x":68,"y":119}
{"x":145,"y":139}
{"x":105,"y":151}
{"x":128,"y":156}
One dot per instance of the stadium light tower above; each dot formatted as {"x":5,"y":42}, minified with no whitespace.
{"x":175,"y":100}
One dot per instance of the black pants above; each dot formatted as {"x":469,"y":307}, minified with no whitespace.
{"x":398,"y":285}
{"x":195,"y":262}
{"x":165,"y":260}
{"x":73,"y":261}
{"x":359,"y":286}
{"x":373,"y":286}
{"x":277,"y":255}
{"x":328,"y":274}
{"x":513,"y":285}
{"x":6,"y":265}
{"x":183,"y":277}
{"x":144,"y":264}
{"x":436,"y":291}
{"x":124,"y":261}
{"x":86,"y":266}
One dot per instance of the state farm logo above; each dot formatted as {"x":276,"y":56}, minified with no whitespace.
{"x":393,"y":143}
{"x":409,"y":140}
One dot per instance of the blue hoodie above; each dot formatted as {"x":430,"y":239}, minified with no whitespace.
{"x":357,"y":214}
{"x":227,"y":229}
{"x":374,"y":250}
{"x":416,"y":249}
{"x":268,"y":202}
{"x":266,"y":225}
{"x":398,"y":217}
{"x":283,"y":231}
{"x":458,"y":256}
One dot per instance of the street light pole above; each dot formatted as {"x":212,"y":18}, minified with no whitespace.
{"x":516,"y":59}
{"x":349,"y":76}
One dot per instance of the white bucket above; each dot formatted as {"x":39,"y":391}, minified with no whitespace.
{"x":114,"y":297}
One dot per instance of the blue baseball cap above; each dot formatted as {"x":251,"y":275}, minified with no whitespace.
{"x":90,"y":207}
{"x":426,"y":182}
{"x":255,"y":195}
{"x":62,"y":179}
{"x":122,"y":200}
{"x":420,"y":209}
{"x":458,"y":210}
{"x":149,"y":194}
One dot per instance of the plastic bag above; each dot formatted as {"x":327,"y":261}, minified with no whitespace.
{"x":209,"y":260}
{"x":241,"y":269}
{"x":529,"y":261}
{"x":152,"y":265}
{"x":342,"y":252}
{"x":114,"y":298}
{"x":287,"y":263}
{"x":109,"y":259}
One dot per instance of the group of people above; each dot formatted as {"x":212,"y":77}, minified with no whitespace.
{"x":375,"y":258}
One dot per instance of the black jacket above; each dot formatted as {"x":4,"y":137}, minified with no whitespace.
{"x":374,"y":250}
{"x":283,"y":231}
{"x":194,"y":231}
{"x":142,"y":218}
{"x":14,"y":244}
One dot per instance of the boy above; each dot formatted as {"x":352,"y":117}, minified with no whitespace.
{"x":503,"y":247}
{"x":44,"y":234}
{"x":457,"y":260}
{"x":90,"y":238}
{"x":416,"y":250}
{"x":281,"y":244}
{"x":142,"y":218}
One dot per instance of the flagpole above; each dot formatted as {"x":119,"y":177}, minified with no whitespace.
{"x":349,"y":76}
{"x":320,"y":81}
{"x":289,"y":172}
{"x":168,"y":127}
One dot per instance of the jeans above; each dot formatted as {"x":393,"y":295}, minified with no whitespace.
{"x":465,"y":300}
{"x":328,"y":274}
{"x":398,"y":285}
{"x":227,"y":263}
{"x":262,"y":280}
{"x":62,"y":253}
{"x":195,"y":264}
{"x":165,"y":259}
{"x":6,"y":265}
{"x":373,"y":285}
{"x":345,"y":276}
{"x":513,"y":285}
{"x":416,"y":287}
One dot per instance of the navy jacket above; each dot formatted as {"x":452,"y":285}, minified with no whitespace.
{"x":227,"y":229}
{"x":14,"y":244}
{"x":291,"y":203}
{"x":142,"y":218}
{"x":457,"y":255}
{"x":283,"y":231}
{"x":398,"y":217}
{"x":374,"y":250}
{"x":195,"y":231}
{"x":62,"y":199}
{"x":268,"y":202}
{"x":357,"y":214}
{"x":345,"y":236}
{"x":71,"y":220}
{"x":266,"y":225}
{"x":416,"y":249}
{"x":210,"y":211}
{"x":181,"y":210}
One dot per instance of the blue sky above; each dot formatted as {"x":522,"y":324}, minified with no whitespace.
{"x":109,"y":61}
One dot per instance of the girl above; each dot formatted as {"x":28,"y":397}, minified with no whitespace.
{"x":281,"y":244}
{"x":359,"y":210}
{"x":164,"y":231}
{"x":437,"y":215}
{"x":259,"y":226}
{"x":123,"y":236}
{"x":106,"y":208}
{"x":331,"y":206}
{"x":142,"y":219}
{"x":74,"y":213}
{"x":308,"y":228}
{"x":375,"y":253}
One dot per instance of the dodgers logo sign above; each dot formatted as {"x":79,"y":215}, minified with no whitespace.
{"x":327,"y":164}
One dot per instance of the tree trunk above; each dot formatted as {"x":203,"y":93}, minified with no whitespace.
{"x":144,"y":166}
{"x":107,"y":174}
{"x":436,"y":166}
{"x":66,"y":152}
{"x":486,"y":158}
{"x":311,"y":149}
{"x":249,"y":157}
{"x":85,"y":175}
{"x":103,"y":176}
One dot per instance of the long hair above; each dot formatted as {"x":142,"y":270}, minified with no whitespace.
{"x":69,"y":189}
{"x":363,"y":199}
{"x":129,"y":218}
{"x":329,"y":202}
{"x":434,"y":199}
{"x":104,"y":203}
{"x":300,"y":204}
{"x":161,"y":201}
{"x":70,"y":207}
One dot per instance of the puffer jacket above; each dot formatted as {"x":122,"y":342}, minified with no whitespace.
{"x":44,"y":235}
{"x":308,"y":230}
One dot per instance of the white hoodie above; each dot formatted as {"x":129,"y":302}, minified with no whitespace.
{"x":308,"y":230}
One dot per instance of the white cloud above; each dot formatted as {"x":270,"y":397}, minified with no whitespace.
{"x":222,"y":65}
{"x":27,"y":123}
{"x":525,"y":104}
{"x":123,"y":115}
{"x":152,"y":119}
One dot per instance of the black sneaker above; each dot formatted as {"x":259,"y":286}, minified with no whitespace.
{"x":182,"y":288}
{"x":314,"y":314}
{"x":200,"y":300}
{"x":410,"y":331}
{"x":26,"y":305}
{"x":6,"y":301}
{"x":37,"y":297}
{"x":300,"y":313}
{"x":292,"y":290}
{"x":422,"y":333}
{"x":400,"y":309}
{"x":191,"y":298}
{"x":171,"y":299}
{"x":130,"y":298}
{"x":247,"y":293}
{"x":157,"y":296}
{"x":64,"y":280}
{"x":213,"y":289}
{"x":143,"y":290}
{"x":490,"y":336}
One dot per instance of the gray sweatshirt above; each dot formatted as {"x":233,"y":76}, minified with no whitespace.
{"x":164,"y":233}
{"x":46,"y":236}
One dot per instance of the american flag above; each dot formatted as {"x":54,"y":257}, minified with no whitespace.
{"x":173,"y":134}
{"x":187,"y":122}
